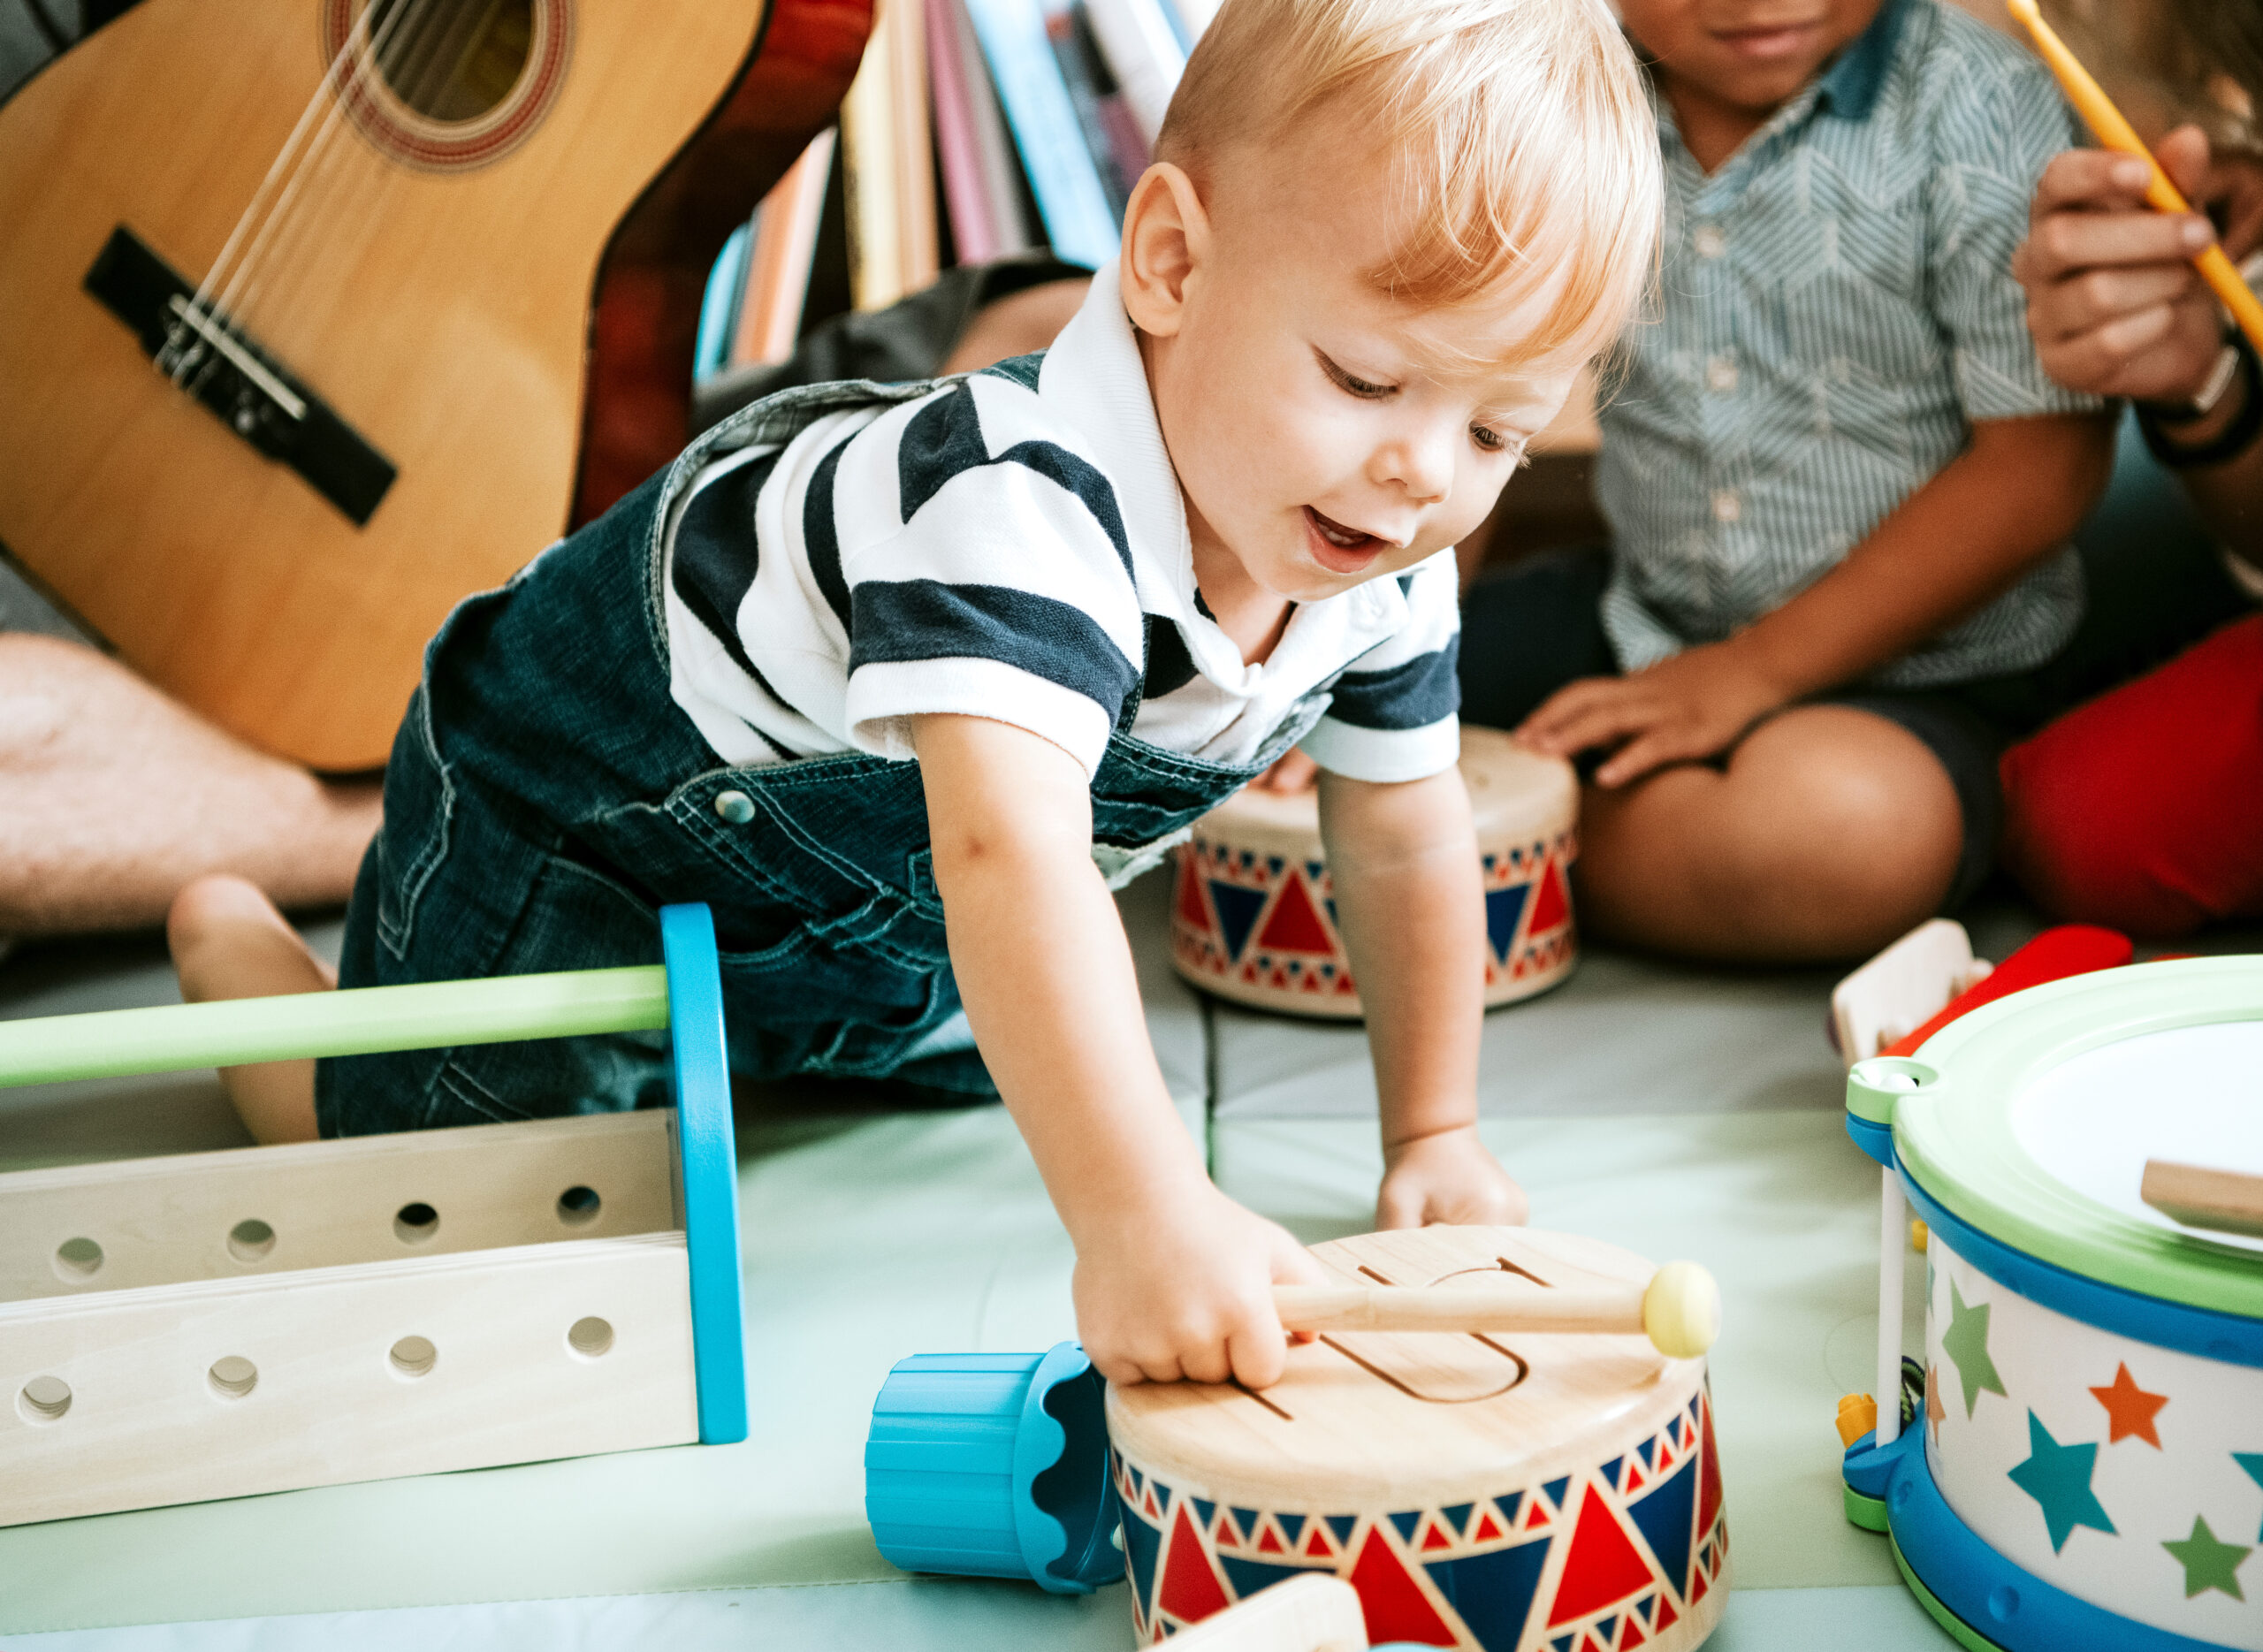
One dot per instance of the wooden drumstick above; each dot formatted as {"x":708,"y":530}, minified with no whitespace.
{"x":1680,"y":1310}
{"x":2115,"y":132}
{"x":2226,"y":1202}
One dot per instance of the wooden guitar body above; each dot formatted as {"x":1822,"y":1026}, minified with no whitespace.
{"x":430,"y":281}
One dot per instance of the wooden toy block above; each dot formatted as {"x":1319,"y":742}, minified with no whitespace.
{"x":220,"y":1324}
{"x":1901,"y":986}
{"x":1315,"y":1613}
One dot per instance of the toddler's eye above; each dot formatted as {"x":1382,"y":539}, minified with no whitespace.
{"x":1490,"y":440}
{"x":1346,"y":382}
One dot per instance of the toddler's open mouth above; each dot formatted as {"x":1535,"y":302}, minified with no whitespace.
{"x":1338,"y":549}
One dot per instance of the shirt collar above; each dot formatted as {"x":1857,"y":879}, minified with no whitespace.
{"x":1849,"y":87}
{"x":1095,"y":376}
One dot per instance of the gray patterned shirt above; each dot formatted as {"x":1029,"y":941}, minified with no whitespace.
{"x":1837,"y":308}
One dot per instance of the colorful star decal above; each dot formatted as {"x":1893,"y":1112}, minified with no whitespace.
{"x":2208,"y":1564}
{"x":2252,"y":1463}
{"x":2058,"y":1478}
{"x":1966,"y":1342}
{"x":2129,"y":1409}
{"x":1934,"y":1410}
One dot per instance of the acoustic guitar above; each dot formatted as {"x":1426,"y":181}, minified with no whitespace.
{"x":317,"y":315}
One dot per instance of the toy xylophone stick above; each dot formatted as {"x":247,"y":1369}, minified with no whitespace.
{"x":1680,"y":1310}
{"x":2115,"y":132}
{"x":2226,"y":1201}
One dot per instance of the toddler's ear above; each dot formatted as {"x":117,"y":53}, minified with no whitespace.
{"x":1166,"y":238}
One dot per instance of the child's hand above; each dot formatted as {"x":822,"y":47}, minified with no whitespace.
{"x":1448,"y":1177}
{"x":1187,"y":1292}
{"x":1692,"y":706}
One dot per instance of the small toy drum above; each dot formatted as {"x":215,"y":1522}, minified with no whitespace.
{"x":2087,"y":1467}
{"x":1254,"y":916}
{"x":1481,"y":1490}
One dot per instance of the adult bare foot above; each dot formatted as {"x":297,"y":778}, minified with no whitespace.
{"x":229,"y":941}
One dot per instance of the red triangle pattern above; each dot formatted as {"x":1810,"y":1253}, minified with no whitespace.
{"x":1294,"y":925}
{"x":1190,"y":1590}
{"x":1697,"y":1589}
{"x":1158,"y":1513}
{"x":1488,"y":1528}
{"x":1633,"y":1476}
{"x":1535,"y":1514}
{"x":1634,"y":1636}
{"x":1269,"y":1543}
{"x":1603,"y":1567}
{"x":1551,"y":906}
{"x":1435,"y":1538}
{"x":1193,"y":911}
{"x":1316,"y":1543}
{"x":1708,"y":1484}
{"x":1228,"y":1538}
{"x":1665,"y":1615}
{"x":1395,"y":1608}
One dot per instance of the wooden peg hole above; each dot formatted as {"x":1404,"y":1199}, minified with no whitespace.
{"x":78,"y":1259}
{"x":589,"y":1337}
{"x":44,"y":1399}
{"x":415,"y":1222}
{"x":579,"y":1206}
{"x":232,"y":1376}
{"x":250,"y":1240}
{"x":414,"y":1356}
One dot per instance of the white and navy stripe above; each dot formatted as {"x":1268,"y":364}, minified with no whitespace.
{"x":1013,"y":545}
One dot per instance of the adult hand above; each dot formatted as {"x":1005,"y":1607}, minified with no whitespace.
{"x":2112,"y":300}
{"x":1684,"y":709}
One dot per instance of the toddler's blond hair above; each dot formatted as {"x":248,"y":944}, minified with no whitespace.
{"x":1521,"y":128}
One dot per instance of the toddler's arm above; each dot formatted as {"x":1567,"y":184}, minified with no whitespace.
{"x":1985,"y":518}
{"x":1404,"y":860}
{"x":1173,"y":1279}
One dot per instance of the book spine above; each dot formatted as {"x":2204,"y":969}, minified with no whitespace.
{"x":1002,"y":173}
{"x":778,"y":269}
{"x":1063,"y":174}
{"x":917,"y":248}
{"x":1193,"y":17}
{"x":1143,"y":51}
{"x":974,"y":229}
{"x":869,"y":117}
{"x":1084,"y":76}
{"x":718,"y":308}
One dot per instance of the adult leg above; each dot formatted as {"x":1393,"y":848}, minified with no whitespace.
{"x":112,"y":796}
{"x":1829,"y":832}
{"x":2144,"y":809}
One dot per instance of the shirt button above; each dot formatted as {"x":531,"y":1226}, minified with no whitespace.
{"x":1727,"y":507}
{"x":1708,"y":241}
{"x":735,"y":807}
{"x":1720,"y":374}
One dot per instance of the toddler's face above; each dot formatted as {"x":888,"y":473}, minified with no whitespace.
{"x":1325,"y":434}
{"x":1751,"y":55}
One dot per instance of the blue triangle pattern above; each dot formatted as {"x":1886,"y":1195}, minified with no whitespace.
{"x":1272,"y":864}
{"x":1493,"y":1592}
{"x":1162,"y":1495}
{"x":1342,"y":1525}
{"x":1603,"y":1630}
{"x":1238,"y":909}
{"x":1407,"y":1523}
{"x":1645,"y":1448}
{"x":1665,"y":1516}
{"x":1203,"y":1511}
{"x":1246,"y":1519}
{"x":1508,"y":1507}
{"x":1139,"y":1481}
{"x":1555,"y":1490}
{"x":1142,"y":1543}
{"x":1247,"y":1576}
{"x":1562,"y":1645}
{"x":1503,"y":908}
{"x":1292,"y":1527}
{"x":1458,"y":1517}
{"x":1611,"y":1471}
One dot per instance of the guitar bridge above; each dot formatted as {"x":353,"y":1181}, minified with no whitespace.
{"x":242,"y":384}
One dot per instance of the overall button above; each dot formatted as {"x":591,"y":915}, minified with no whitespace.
{"x":1708,"y":241}
{"x":1720,"y":374}
{"x":735,"y":807}
{"x":1726,"y":508}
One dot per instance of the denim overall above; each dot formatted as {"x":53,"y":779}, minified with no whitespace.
{"x":544,"y":795}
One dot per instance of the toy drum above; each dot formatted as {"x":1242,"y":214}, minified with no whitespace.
{"x":2087,"y":1467}
{"x":1254,"y":916}
{"x":1512,"y":1492}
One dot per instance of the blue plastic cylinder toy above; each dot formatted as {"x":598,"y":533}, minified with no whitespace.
{"x":994,"y":1465}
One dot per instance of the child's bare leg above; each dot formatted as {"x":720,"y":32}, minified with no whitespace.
{"x":1831,"y":832}
{"x":229,"y":941}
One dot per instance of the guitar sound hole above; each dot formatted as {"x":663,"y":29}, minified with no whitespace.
{"x":451,"y":61}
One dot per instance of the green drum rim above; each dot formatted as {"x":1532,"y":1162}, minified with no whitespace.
{"x":1954,"y":1136}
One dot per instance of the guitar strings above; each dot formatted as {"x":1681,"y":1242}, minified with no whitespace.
{"x":346,"y":216}
{"x":303,"y":188}
{"x":275,"y":208}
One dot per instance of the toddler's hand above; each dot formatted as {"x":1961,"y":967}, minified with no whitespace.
{"x":1683,"y":709}
{"x":1447,"y":1177}
{"x":1187,"y":1292}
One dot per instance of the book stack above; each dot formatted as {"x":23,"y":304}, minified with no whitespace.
{"x":975,"y":129}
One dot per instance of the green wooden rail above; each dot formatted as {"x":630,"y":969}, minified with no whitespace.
{"x":362,"y":1022}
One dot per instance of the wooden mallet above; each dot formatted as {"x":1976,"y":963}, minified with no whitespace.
{"x":1679,"y":1310}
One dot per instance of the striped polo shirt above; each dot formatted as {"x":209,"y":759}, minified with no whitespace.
{"x":1837,"y":310}
{"x":1014,"y":546}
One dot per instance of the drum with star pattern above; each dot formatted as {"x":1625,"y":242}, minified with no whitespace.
{"x":1493,"y":1492}
{"x":1253,"y":909}
{"x":2087,"y":1465}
